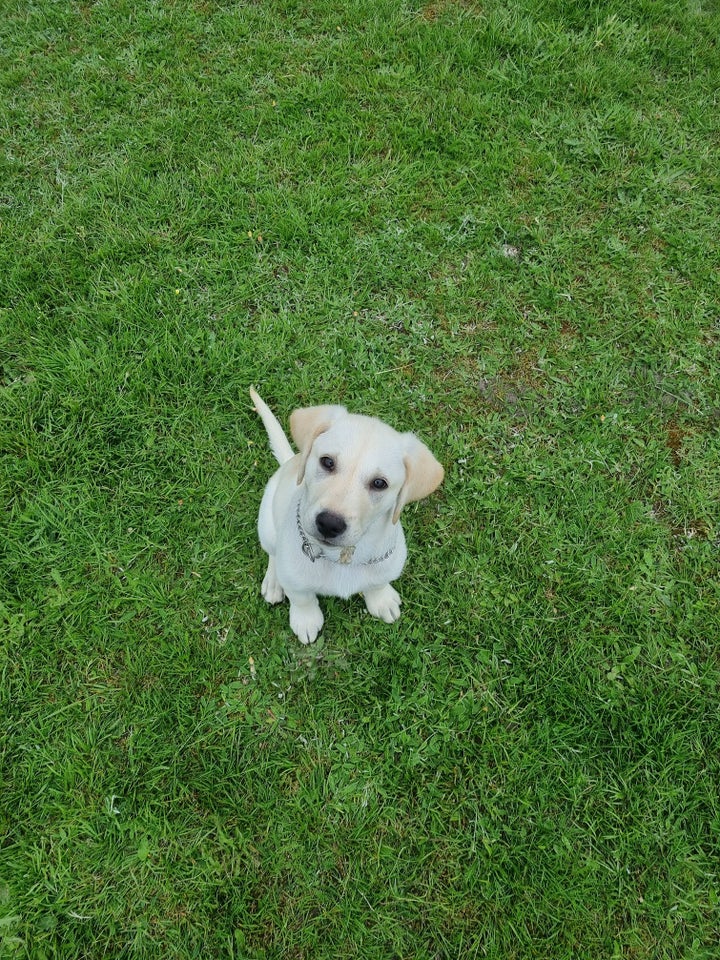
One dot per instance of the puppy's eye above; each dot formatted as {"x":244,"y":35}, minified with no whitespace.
{"x":379,"y":483}
{"x":327,"y":463}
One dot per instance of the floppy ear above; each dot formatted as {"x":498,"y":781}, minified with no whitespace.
{"x":306,"y":425}
{"x":423,"y":474}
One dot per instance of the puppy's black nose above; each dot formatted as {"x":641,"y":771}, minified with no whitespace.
{"x":330,"y":525}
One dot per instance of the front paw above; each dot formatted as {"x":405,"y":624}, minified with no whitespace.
{"x":271,"y":589}
{"x":383,"y":603}
{"x":306,"y":622}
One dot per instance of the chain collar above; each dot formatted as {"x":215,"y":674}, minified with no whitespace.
{"x":346,"y":553}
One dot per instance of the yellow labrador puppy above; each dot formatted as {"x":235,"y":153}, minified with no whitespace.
{"x":329,"y":516}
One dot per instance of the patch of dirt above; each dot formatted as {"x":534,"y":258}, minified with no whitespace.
{"x":431,"y":11}
{"x":692,"y":529}
{"x":514,"y":386}
{"x":674,"y":438}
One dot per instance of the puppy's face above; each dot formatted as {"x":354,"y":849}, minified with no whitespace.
{"x":358,"y":473}
{"x":353,"y":476}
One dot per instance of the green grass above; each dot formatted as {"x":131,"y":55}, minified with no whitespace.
{"x":495,"y":224}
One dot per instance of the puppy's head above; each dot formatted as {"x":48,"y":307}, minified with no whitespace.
{"x":358,"y":473}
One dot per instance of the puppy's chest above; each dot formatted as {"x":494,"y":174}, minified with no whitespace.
{"x":343,"y":580}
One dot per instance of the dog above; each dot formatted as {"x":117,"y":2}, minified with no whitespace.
{"x":330,"y":515}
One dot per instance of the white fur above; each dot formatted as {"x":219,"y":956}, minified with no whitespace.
{"x":370,"y":551}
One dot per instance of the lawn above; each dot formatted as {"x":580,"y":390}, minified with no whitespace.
{"x":493,"y":223}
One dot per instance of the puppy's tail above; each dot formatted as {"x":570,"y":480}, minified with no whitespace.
{"x":279,"y":443}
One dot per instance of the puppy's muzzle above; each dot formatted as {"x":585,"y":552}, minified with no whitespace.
{"x":330,"y":525}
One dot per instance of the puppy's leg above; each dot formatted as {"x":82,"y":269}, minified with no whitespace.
{"x":271,"y":589}
{"x":383,"y":603}
{"x":306,"y":617}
